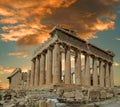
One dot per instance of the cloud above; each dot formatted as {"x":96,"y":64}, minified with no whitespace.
{"x":116,"y":64}
{"x":6,"y":69}
{"x":29,"y":22}
{"x":117,"y":38}
{"x":18,"y":54}
{"x":4,"y":85}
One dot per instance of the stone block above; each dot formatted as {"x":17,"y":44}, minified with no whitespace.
{"x":42,"y":103}
{"x":90,"y":105}
{"x":69,"y":94}
{"x":60,"y":92}
{"x":94,"y":95}
{"x":51,"y":102}
{"x":109,"y":95}
{"x":79,"y":95}
{"x":103,"y":94}
{"x":117,"y":91}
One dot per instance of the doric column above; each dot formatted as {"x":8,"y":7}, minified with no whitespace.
{"x":28,"y":78}
{"x":56,"y":64}
{"x":32,"y":73}
{"x":67,"y":66}
{"x":42,"y":69}
{"x":102,"y":74}
{"x":95,"y":72}
{"x":78,"y":68}
{"x":107,"y":78}
{"x":49,"y":67}
{"x":87,"y":70}
{"x":37,"y":70}
{"x":111,"y":75}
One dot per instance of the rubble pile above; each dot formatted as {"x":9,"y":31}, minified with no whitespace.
{"x":59,"y":97}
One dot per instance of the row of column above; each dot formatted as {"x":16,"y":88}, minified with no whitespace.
{"x":51,"y":72}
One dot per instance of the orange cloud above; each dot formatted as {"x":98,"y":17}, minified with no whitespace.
{"x":28,"y":21}
{"x":101,"y":25}
{"x":4,"y":85}
{"x":8,"y":20}
{"x":6,"y":70}
{"x":18,"y":54}
{"x":5,"y":12}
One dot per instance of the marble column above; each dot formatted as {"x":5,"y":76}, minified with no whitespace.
{"x":37,"y":70}
{"x":28,"y":78}
{"x":111,"y":76}
{"x":32,"y":73}
{"x":95,"y":72}
{"x":42,"y":69}
{"x":102,"y":74}
{"x":49,"y":67}
{"x":107,"y":78}
{"x":87,"y":70}
{"x":56,"y":64}
{"x":78,"y":72}
{"x":67,"y":66}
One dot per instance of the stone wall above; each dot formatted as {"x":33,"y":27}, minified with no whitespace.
{"x":16,"y":81}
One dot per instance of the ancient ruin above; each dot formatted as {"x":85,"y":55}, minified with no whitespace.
{"x":66,"y":71}
{"x":17,"y":79}
{"x":92,"y":65}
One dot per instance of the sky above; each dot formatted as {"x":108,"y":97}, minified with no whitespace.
{"x":24,"y":24}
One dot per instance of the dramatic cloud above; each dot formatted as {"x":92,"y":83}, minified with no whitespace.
{"x":18,"y":54}
{"x":28,"y":21}
{"x":116,"y":64}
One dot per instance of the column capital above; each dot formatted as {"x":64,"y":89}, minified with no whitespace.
{"x":50,"y":48}
{"x":33,"y":60}
{"x":42,"y":53}
{"x":94,"y":56}
{"x":67,"y":47}
{"x":87,"y":54}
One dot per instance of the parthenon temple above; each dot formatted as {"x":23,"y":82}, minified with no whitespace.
{"x":66,"y":59}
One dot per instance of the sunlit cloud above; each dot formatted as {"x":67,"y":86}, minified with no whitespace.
{"x":29,"y":22}
{"x":117,"y":38}
{"x":116,"y":64}
{"x":4,"y":85}
{"x":18,"y":54}
{"x":6,"y":69}
{"x":100,"y":25}
{"x":25,"y":69}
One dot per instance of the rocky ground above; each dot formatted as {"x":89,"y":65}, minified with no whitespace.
{"x":63,"y":98}
{"x":115,"y":102}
